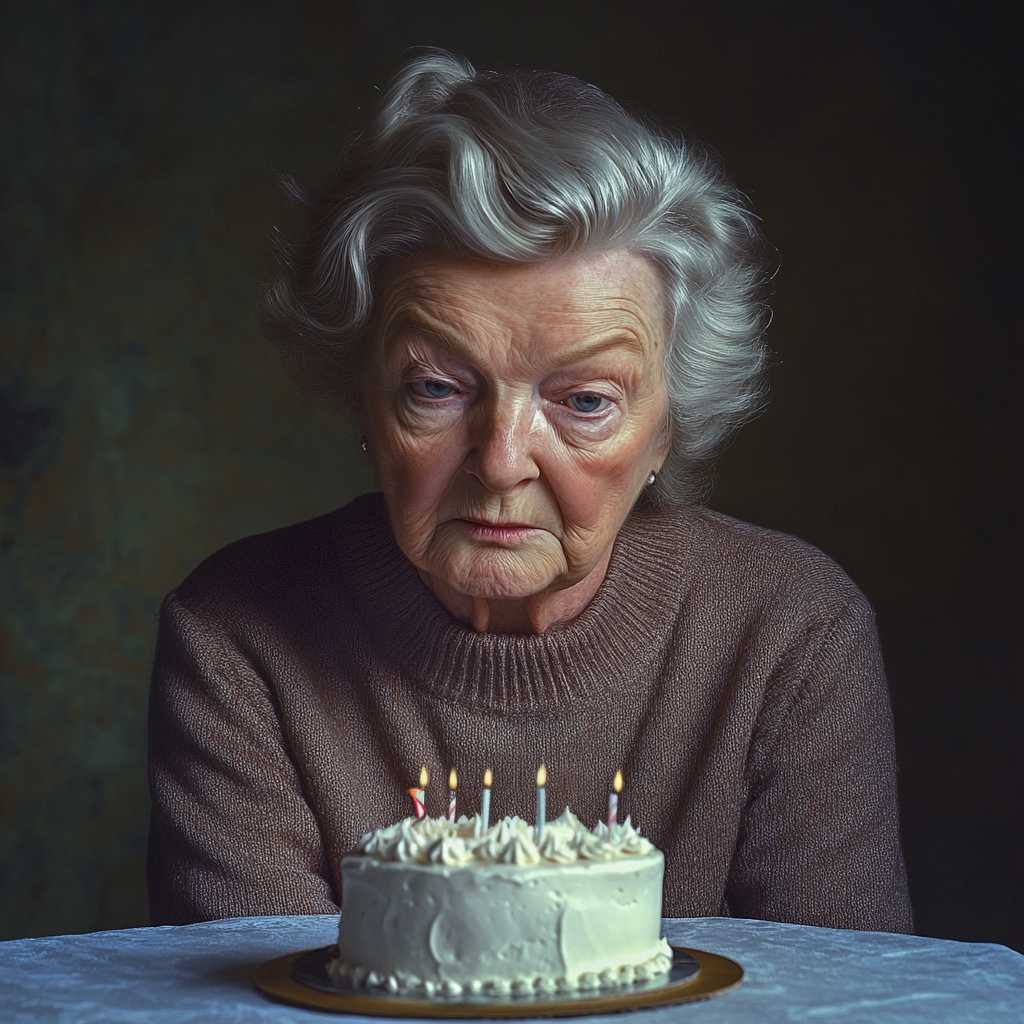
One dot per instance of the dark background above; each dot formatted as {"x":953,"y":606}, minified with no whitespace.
{"x":144,"y":423}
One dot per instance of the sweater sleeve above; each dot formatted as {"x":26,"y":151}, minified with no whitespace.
{"x":231,"y":833}
{"x":819,"y":841}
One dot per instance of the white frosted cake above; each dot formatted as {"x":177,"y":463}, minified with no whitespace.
{"x":431,"y":908}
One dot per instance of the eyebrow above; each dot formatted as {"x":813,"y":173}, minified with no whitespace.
{"x":459,"y":347}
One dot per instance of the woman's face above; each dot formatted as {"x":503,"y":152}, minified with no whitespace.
{"x":514,"y":414}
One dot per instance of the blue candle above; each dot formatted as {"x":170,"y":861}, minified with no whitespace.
{"x":485,"y":803}
{"x":538,"y":826}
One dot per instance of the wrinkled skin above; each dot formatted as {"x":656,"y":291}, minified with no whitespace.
{"x":514,"y":414}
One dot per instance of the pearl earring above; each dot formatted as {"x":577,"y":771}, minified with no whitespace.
{"x":651,"y":478}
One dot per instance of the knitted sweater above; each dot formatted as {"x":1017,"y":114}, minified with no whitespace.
{"x":303,"y":676}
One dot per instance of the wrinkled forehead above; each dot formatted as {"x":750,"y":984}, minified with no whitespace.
{"x":600,"y":292}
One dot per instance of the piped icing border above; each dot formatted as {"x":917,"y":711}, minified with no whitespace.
{"x":509,"y":841}
{"x":357,"y":976}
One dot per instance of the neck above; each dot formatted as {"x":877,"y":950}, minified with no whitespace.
{"x":535,"y":613}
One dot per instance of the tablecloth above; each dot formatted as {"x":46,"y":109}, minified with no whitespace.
{"x":203,"y":973}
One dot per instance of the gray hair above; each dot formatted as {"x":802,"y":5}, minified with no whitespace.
{"x":522,"y":167}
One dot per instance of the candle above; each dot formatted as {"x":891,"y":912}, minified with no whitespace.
{"x":613,"y":801}
{"x":538,"y":826}
{"x":453,"y":784}
{"x":418,"y":793}
{"x":485,"y":803}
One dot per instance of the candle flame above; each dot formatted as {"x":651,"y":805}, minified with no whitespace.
{"x":617,"y":784}
{"x":488,"y":778}
{"x":453,"y":780}
{"x":424,"y":777}
{"x":542,"y":776}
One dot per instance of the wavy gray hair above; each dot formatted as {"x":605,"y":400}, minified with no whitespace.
{"x":521,"y":167}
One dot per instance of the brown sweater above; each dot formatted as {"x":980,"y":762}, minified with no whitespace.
{"x":303,"y":676}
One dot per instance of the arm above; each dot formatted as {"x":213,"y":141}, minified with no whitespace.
{"x":819,"y":842}
{"x":231,"y":833}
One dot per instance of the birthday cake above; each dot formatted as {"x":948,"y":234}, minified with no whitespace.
{"x":434,"y":908}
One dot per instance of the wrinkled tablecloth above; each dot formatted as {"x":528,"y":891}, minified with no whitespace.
{"x":203,"y":973}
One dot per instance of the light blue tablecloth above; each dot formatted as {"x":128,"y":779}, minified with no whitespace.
{"x":203,"y":973}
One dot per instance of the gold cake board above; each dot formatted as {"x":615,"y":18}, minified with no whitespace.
{"x":714,"y":975}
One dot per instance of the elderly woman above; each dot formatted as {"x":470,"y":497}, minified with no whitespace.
{"x":546,"y":318}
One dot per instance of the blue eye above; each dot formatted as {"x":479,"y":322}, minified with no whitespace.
{"x":433,"y":388}
{"x":586,"y":402}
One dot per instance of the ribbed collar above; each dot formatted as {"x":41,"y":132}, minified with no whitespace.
{"x":602,"y":651}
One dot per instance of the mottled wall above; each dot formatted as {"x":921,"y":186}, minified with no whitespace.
{"x":144,"y":423}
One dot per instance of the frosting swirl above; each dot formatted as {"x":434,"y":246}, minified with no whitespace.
{"x":448,"y":850}
{"x":628,"y":840}
{"x":509,"y":841}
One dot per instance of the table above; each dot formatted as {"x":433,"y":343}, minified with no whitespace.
{"x":203,"y":973}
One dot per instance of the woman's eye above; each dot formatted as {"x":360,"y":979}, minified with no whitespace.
{"x":585,"y":402}
{"x":432,"y":388}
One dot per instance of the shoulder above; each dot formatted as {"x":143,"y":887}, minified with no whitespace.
{"x":290,"y":564}
{"x":737,"y":566}
{"x":779,"y":562}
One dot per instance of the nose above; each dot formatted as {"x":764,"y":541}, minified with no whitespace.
{"x":502,"y":446}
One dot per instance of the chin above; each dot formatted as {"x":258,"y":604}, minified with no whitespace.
{"x":497,"y":574}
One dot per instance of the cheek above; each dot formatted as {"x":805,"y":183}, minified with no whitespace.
{"x":416,"y":476}
{"x":595,"y":491}
{"x":589,"y":493}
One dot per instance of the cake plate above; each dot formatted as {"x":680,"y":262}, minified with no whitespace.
{"x":301,"y":979}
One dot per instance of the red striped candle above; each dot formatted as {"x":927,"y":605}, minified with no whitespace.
{"x":418,"y":794}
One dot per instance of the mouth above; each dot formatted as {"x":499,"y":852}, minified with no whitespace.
{"x":497,"y":533}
